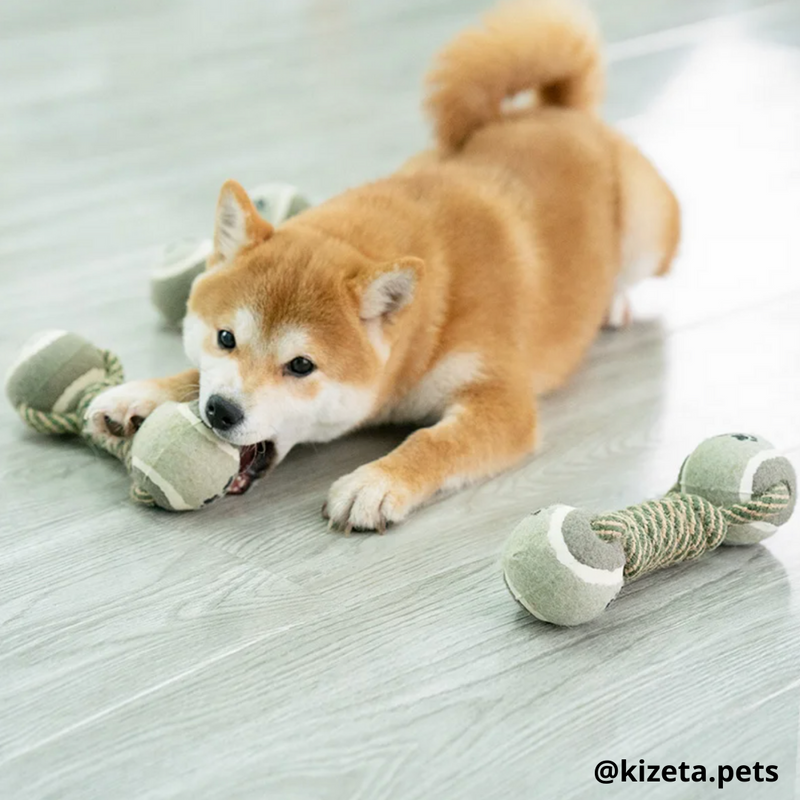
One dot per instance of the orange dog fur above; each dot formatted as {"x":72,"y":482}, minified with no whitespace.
{"x":455,"y":291}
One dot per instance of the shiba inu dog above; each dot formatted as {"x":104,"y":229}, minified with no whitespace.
{"x":453,"y":292}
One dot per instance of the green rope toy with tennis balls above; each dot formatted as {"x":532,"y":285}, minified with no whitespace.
{"x":175,"y":461}
{"x":182,"y":261}
{"x":565,"y":565}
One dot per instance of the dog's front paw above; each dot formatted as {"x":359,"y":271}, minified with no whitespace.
{"x":121,"y":410}
{"x":367,"y":500}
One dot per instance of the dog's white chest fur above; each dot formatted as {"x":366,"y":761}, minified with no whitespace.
{"x":429,"y":399}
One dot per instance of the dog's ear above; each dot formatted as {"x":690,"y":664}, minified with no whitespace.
{"x":237,"y":224}
{"x":387,"y":288}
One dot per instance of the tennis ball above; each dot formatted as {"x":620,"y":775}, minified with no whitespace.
{"x":277,"y":202}
{"x":559,"y":569}
{"x":732,"y":468}
{"x":53,"y":370}
{"x":173,"y":274}
{"x":179,"y":461}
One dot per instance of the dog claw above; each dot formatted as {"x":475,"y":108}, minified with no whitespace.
{"x":114,"y":428}
{"x":348,"y":529}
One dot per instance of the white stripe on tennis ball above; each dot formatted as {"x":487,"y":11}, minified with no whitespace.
{"x":200,"y":253}
{"x":34,"y":345}
{"x":170,"y":492}
{"x":226,"y":448}
{"x":591,"y":575}
{"x":766,"y":527}
{"x":746,"y":484}
{"x":284,"y":201}
{"x":66,"y":397}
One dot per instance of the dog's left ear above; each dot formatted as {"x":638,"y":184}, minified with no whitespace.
{"x":237,"y":224}
{"x":387,"y":288}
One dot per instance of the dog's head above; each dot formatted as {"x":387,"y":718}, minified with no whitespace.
{"x":291,"y":330}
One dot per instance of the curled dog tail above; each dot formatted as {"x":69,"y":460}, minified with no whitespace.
{"x":550,"y":47}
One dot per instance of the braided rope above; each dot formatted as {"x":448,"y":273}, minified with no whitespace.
{"x":74,"y":422}
{"x":681,"y":527}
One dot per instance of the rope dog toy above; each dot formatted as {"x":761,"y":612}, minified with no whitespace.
{"x":175,"y":461}
{"x":182,"y":261}
{"x":565,"y":565}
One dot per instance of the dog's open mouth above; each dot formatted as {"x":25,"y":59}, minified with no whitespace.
{"x":254,"y":461}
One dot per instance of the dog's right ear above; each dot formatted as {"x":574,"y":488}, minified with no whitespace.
{"x":237,"y":225}
{"x":384,"y":289}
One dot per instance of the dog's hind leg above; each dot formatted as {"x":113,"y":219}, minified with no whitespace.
{"x":649,"y":219}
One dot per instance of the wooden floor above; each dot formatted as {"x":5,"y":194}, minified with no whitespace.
{"x":245,"y":652}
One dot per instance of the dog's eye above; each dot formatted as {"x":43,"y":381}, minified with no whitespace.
{"x":300,"y":367}
{"x":226,"y":340}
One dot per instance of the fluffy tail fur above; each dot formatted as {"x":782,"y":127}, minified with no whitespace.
{"x":551,"y":47}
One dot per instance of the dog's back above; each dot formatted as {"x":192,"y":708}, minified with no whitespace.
{"x":456,"y":289}
{"x":585,"y":212}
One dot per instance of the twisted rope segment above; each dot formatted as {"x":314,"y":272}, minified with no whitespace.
{"x":681,"y":527}
{"x":73,"y":423}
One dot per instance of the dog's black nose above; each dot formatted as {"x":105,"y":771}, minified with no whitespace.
{"x":223,"y":414}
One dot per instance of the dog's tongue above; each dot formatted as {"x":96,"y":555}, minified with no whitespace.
{"x":254,"y":461}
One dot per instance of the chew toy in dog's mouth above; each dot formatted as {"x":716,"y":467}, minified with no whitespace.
{"x":254,"y":461}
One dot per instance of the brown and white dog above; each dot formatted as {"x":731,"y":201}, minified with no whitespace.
{"x":454,"y":292}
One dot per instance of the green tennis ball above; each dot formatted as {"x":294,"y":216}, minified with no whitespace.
{"x":559,"y":570}
{"x":178,"y":461}
{"x":52,"y":370}
{"x":173,"y":274}
{"x":730,"y":469}
{"x":277,"y":202}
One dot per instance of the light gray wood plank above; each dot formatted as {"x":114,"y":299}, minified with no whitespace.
{"x":358,"y":708}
